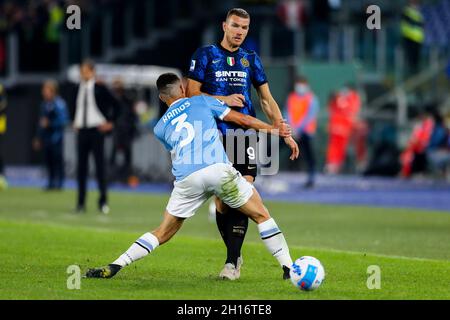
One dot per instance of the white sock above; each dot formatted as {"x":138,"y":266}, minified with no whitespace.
{"x":275,"y":242}
{"x":138,"y":250}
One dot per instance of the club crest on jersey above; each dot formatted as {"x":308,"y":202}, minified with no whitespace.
{"x":231,"y":62}
{"x":245,"y":62}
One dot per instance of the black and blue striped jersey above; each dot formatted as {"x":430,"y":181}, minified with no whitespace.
{"x":223,"y":73}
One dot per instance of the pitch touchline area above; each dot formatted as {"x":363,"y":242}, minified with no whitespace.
{"x":287,"y":187}
{"x":251,"y":242}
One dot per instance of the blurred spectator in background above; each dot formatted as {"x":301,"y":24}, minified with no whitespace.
{"x":53,"y":117}
{"x":53,"y":27}
{"x":320,"y":26}
{"x":413,"y":35}
{"x":93,"y":111}
{"x":302,"y":107}
{"x":3,"y":32}
{"x":38,"y":25}
{"x":438,"y":149}
{"x":385,"y":153}
{"x":3,"y":102}
{"x":31,"y":35}
{"x":359,"y":135}
{"x":413,"y":158}
{"x":55,"y":20}
{"x":344,"y":107}
{"x":292,"y":13}
{"x":124,"y":133}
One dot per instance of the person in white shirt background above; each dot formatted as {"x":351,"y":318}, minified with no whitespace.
{"x":93,"y":112}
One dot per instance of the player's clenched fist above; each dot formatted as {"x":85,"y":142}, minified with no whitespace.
{"x":235,"y":100}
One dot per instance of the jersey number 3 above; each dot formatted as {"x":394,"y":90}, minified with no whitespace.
{"x":181,"y":123}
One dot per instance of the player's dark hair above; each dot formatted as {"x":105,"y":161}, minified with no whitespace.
{"x":238,"y":12}
{"x":165,"y":81}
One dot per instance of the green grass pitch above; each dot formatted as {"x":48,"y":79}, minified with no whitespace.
{"x":40,"y":238}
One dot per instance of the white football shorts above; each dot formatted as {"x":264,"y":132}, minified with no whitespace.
{"x":219,"y":179}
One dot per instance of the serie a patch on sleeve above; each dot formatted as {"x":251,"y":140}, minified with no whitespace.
{"x":192,"y":68}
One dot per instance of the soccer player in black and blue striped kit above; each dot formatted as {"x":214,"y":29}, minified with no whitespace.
{"x":227,"y":72}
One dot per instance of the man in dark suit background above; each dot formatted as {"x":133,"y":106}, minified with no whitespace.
{"x":93,"y":112}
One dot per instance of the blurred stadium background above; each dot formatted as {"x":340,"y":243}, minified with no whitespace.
{"x":327,"y":41}
{"x":366,"y":213}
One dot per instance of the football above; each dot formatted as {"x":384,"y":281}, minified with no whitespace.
{"x":307,"y":273}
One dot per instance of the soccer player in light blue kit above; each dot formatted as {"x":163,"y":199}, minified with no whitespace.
{"x":189,"y":131}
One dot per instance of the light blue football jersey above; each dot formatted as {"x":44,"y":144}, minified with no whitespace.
{"x":189,"y":131}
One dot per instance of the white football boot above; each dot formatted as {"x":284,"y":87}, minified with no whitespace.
{"x":240,"y":262}
{"x":230,"y":272}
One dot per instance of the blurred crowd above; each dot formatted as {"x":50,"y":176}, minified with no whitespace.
{"x":56,"y":114}
{"x":3,"y":103}
{"x":314,"y":17}
{"x":344,"y":128}
{"x":419,"y":24}
{"x":41,"y":14}
{"x":428,"y":147}
{"x":38,"y":24}
{"x":426,"y":152}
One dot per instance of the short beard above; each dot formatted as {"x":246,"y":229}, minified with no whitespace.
{"x":232,"y":44}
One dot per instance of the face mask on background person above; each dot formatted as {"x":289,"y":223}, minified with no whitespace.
{"x":301,"y":88}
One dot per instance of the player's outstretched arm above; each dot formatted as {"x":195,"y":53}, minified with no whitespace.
{"x":194,"y":89}
{"x":280,"y":128}
{"x":268,"y":104}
